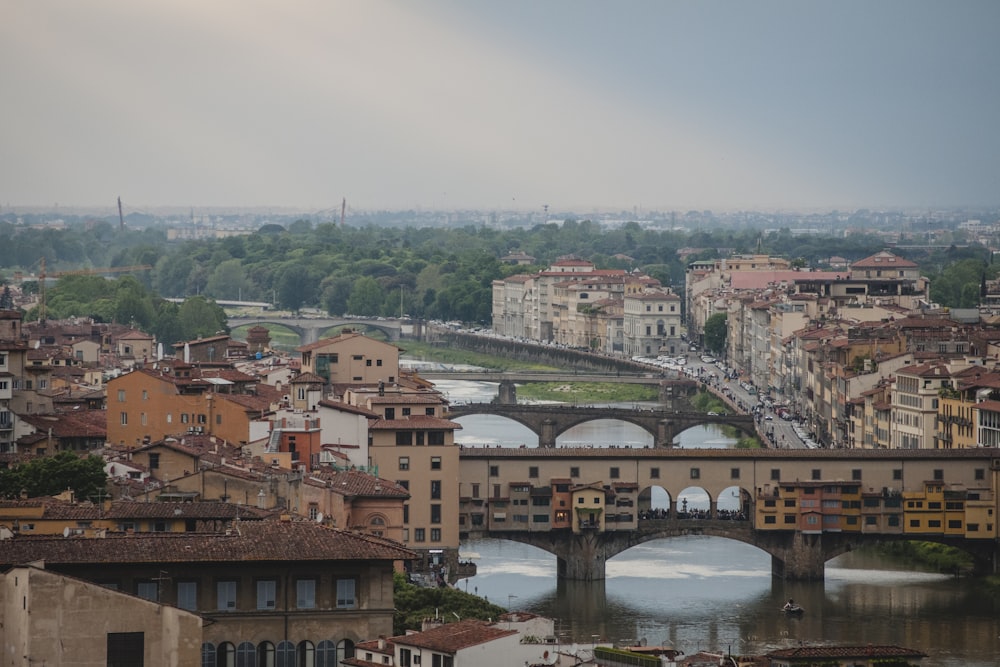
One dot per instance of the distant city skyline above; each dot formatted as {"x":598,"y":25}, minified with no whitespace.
{"x":447,"y":105}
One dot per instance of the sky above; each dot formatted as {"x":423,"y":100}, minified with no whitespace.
{"x":515,"y":105}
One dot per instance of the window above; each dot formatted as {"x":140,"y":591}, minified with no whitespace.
{"x":121,"y":395}
{"x":574,"y":471}
{"x":856,"y":474}
{"x":695,"y":473}
{"x":419,"y":535}
{"x":734,"y":473}
{"x":775,"y":474}
{"x":345,"y":594}
{"x":226,"y":595}
{"x":770,"y":519}
{"x":187,"y":595}
{"x":435,"y":463}
{"x":154,"y":461}
{"x":475,"y":490}
{"x":435,"y":437}
{"x":533,"y":472}
{"x":405,"y":659}
{"x":897,"y":473}
{"x":404,"y":462}
{"x":435,"y":489}
{"x":980,"y":473}
{"x":145,"y":395}
{"x":614,"y":473}
{"x":390,"y":413}
{"x":124,"y":419}
{"x":125,"y":649}
{"x":404,"y":438}
{"x":435,"y":534}
{"x":435,"y":513}
{"x":142,"y":418}
{"x":817,"y":473}
{"x":267,"y":590}
{"x":494,"y":471}
{"x":938,"y":473}
{"x":148,"y":590}
{"x":654,"y":473}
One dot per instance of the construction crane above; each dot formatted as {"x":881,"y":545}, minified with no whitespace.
{"x":42,"y":276}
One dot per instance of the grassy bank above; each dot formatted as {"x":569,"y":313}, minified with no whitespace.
{"x":420,"y":351}
{"x":587,"y":392}
{"x":929,"y":555}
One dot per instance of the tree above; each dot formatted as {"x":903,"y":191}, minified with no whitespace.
{"x":200,"y":317}
{"x":295,"y":287}
{"x":715,"y":333}
{"x":228,"y":281}
{"x":367,"y":297}
{"x":54,"y":474}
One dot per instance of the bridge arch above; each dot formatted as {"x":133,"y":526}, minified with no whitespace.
{"x":551,"y":421}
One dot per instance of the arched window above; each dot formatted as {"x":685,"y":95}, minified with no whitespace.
{"x":345,"y":649}
{"x":265,"y":654}
{"x":285,"y":654}
{"x":208,"y":654}
{"x":246,"y":655}
{"x":306,"y":654}
{"x":376,"y":525}
{"x":326,"y":654}
{"x":225,"y":655}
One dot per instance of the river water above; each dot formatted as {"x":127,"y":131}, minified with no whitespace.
{"x":704,"y":593}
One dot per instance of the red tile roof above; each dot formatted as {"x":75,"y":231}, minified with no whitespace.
{"x":869,"y":651}
{"x":453,"y":637}
{"x":247,"y":541}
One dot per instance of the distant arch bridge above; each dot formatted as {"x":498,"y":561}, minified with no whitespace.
{"x":548,"y":422}
{"x":310,"y":329}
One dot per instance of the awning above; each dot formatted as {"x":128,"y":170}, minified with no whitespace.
{"x":468,"y":555}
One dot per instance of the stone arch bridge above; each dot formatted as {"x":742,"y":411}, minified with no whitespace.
{"x":803,"y":507}
{"x":309,"y":329}
{"x":548,"y":422}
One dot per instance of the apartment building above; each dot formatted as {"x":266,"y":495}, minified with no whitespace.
{"x":276,"y":592}
{"x":171,"y":397}
{"x":351,"y":358}
{"x":411,"y":443}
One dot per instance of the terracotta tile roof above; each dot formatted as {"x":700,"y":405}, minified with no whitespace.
{"x":413,"y":422}
{"x":884,"y":260}
{"x":357,"y":483}
{"x":132,"y":509}
{"x":453,"y":637}
{"x":412,"y":399}
{"x":869,"y":651}
{"x":247,"y":541}
{"x":307,"y":378}
{"x":81,"y":423}
{"x":346,"y":407}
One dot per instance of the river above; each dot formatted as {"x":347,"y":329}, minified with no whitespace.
{"x":704,"y":593}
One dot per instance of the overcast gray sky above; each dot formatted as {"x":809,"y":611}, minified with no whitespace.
{"x":451,"y":104}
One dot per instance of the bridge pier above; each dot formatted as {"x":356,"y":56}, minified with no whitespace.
{"x":507,"y":393}
{"x":582,"y":558}
{"x":802,"y":558}
{"x":547,"y":434}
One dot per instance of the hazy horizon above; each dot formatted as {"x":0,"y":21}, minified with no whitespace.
{"x":580,"y":105}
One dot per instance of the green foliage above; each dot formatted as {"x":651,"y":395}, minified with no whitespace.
{"x":622,"y":657}
{"x":587,"y":392}
{"x":415,"y":603}
{"x":54,"y":474}
{"x":705,"y":401}
{"x":932,"y":555}
{"x":715,"y":333}
{"x":199,"y":317}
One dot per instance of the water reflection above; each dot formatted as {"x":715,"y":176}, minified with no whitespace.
{"x":708,"y":593}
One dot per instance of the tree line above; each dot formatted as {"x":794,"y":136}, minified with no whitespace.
{"x":441,"y":273}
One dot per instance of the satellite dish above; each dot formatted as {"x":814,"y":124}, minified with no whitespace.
{"x":319,"y":518}
{"x":66,"y":531}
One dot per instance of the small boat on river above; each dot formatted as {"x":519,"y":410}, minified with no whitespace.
{"x":793,"y":609}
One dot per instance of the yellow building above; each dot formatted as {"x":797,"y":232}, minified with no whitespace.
{"x":350,"y":359}
{"x":588,"y":507}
